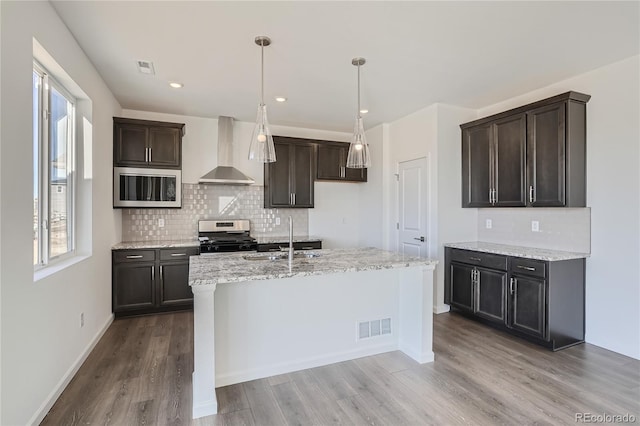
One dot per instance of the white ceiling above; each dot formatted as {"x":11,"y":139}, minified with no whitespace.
{"x":470,"y":54}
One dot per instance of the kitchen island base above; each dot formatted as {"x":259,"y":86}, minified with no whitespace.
{"x":262,"y":328}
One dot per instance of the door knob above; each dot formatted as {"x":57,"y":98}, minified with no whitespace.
{"x":420,"y":239}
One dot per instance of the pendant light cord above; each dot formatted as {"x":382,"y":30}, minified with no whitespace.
{"x":358,"y":114}
{"x":262,"y":73}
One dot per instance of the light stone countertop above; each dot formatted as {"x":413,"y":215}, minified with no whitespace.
{"x":516,"y":251}
{"x":268,"y":239}
{"x":154,"y":244}
{"x":209,"y":269}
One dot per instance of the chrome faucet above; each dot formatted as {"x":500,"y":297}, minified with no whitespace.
{"x":290,"y":241}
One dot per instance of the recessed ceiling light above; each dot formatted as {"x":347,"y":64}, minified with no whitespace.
{"x":281,"y":99}
{"x":364,"y":111}
{"x":176,"y":85}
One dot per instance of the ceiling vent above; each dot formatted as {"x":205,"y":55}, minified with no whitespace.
{"x":145,"y":67}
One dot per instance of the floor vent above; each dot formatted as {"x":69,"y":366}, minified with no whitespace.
{"x":374,"y":328}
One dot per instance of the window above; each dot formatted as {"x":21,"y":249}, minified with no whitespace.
{"x":53,"y":169}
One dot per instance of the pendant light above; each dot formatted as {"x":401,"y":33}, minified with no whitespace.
{"x":358,"y":157}
{"x":261,"y":148}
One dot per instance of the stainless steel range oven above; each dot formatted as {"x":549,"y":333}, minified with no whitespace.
{"x":223,"y":236}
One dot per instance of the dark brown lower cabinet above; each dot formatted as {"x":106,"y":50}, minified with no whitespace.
{"x":151,"y":280}
{"x":541,"y":301}
{"x":490,"y":301}
{"x":528,"y":306}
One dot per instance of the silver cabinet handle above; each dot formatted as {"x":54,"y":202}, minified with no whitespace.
{"x":531,"y":193}
{"x":294,"y":198}
{"x":490,"y":192}
{"x":178,"y":254}
{"x":495,"y":196}
{"x":307,"y":248}
{"x":512,"y":283}
{"x":149,"y":154}
{"x":274,"y":249}
{"x":146,"y":155}
{"x":290,"y":198}
{"x":473,"y":276}
{"x":528,"y":268}
{"x":134,"y":256}
{"x":477,"y":259}
{"x":477,"y":277}
{"x":153,"y":273}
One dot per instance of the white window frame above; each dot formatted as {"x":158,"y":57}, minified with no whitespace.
{"x":43,"y":174}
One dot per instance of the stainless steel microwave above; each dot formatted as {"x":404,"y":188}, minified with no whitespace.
{"x":140,"y":188}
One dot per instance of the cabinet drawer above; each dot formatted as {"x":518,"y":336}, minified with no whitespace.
{"x":535,"y":268}
{"x":134,"y":256}
{"x":178,"y":253}
{"x":488,"y":260}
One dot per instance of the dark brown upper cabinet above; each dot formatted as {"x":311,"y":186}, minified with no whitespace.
{"x":532,"y":156}
{"x":288,"y":182}
{"x":143,"y":143}
{"x":494,"y":163}
{"x":332,"y":163}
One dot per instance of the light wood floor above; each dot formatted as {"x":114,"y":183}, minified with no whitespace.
{"x":140,"y":374}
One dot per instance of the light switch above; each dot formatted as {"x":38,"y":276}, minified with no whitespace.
{"x":535,"y":226}
{"x":277,"y":221}
{"x":488,"y":224}
{"x":160,"y":223}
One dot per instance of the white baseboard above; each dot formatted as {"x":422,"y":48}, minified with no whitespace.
{"x":411,"y":352}
{"x":302,"y":364}
{"x":441,"y":309}
{"x":62,"y":384}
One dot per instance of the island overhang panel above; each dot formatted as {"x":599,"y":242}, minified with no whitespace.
{"x":255,"y":319}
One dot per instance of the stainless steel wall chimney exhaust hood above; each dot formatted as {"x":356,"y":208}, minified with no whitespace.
{"x":225,"y":173}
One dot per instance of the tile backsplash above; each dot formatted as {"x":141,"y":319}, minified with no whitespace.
{"x":567,"y":229}
{"x":212,"y":202}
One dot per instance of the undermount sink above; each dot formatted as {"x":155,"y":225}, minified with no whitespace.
{"x":282,"y":255}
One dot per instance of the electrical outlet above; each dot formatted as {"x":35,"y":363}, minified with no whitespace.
{"x":277,"y":221}
{"x":160,"y":223}
{"x":488,"y":224}
{"x":535,"y":226}
{"x":81,"y":319}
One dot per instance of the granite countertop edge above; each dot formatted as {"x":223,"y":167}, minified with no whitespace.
{"x":211,"y":270}
{"x":154,"y":244}
{"x":518,"y":251}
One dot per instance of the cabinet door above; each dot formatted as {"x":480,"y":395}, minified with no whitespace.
{"x":164,"y":147}
{"x":303,"y":173}
{"x":461,"y":286}
{"x":130,"y":144}
{"x":133,"y":286}
{"x":528,"y":306}
{"x":476,"y":166}
{"x":509,"y":151}
{"x":490,"y":301}
{"x":546,"y":171}
{"x":174,"y":284}
{"x":330,"y":161}
{"x":277,"y":190}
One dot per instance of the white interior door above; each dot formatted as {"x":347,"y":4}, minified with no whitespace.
{"x":413,"y":194}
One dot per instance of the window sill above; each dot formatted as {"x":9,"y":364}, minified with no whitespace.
{"x":57,"y":267}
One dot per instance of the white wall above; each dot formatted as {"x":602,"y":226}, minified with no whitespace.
{"x":411,"y":137}
{"x":613,"y":193}
{"x":41,"y":336}
{"x":371,"y":209}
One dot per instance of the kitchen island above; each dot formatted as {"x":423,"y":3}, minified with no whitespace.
{"x":255,"y":317}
